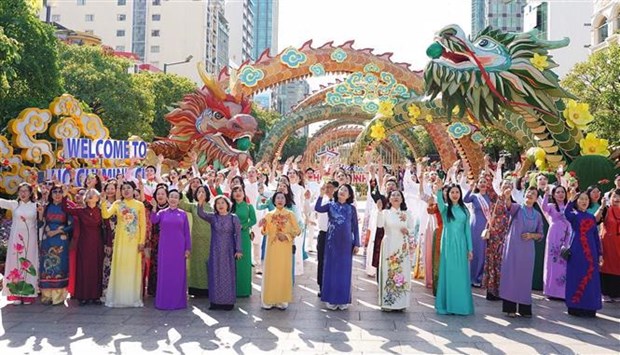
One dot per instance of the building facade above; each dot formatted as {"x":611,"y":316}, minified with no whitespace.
{"x":605,"y":28}
{"x":240,"y":16}
{"x":158,"y":32}
{"x":265,"y":27}
{"x":506,"y":15}
{"x":286,"y":96}
{"x":556,"y":20}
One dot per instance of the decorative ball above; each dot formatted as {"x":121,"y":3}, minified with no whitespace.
{"x":244,"y":143}
{"x":434,"y":50}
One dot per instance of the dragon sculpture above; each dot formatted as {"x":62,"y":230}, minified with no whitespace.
{"x":498,"y":72}
{"x":217,"y":126}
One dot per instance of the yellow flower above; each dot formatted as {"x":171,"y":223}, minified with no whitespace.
{"x":591,"y":145}
{"x":377,"y":131}
{"x":414,"y":112}
{"x":429,"y":118}
{"x":455,"y":110}
{"x":386,"y":108}
{"x":471,"y":118}
{"x":577,"y":114}
{"x":539,"y":61}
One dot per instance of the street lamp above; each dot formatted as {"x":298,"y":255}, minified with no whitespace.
{"x":166,"y":65}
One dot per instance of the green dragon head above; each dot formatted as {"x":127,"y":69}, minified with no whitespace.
{"x":494,"y":71}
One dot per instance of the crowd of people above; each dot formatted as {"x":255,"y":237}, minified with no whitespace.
{"x":114,"y":241}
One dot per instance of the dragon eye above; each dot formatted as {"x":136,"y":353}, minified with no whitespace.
{"x":486,"y":44}
{"x":218,"y":115}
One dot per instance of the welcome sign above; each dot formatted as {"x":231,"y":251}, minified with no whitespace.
{"x":64,"y":175}
{"x":83,"y":148}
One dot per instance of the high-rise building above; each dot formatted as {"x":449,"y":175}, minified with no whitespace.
{"x":162,"y":34}
{"x":506,"y":15}
{"x":288,"y":95}
{"x":555,"y":20}
{"x":222,"y":37}
{"x":240,"y":16}
{"x":265,"y":27}
{"x":605,"y":28}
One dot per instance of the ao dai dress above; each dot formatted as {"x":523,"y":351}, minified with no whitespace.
{"x":198,"y":279}
{"x":277,"y":287}
{"x":225,"y":242}
{"x":481,"y":204}
{"x":174,"y":241}
{"x":395,"y":263}
{"x":342,"y":237}
{"x":125,"y":286}
{"x":54,"y":254}
{"x":558,"y":235}
{"x":453,"y":285}
{"x":21,"y":279}
{"x":583,"y":283}
{"x":518,"y":260}
{"x":247,"y":218}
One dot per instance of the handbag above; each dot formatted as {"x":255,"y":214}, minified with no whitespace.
{"x":565,"y":252}
{"x":485,"y":233}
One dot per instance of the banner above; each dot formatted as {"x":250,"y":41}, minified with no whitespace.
{"x":64,"y":175}
{"x":84,"y":148}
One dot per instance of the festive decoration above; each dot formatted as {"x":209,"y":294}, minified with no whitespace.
{"x":317,"y":69}
{"x":429,"y":118}
{"x":478,"y":137}
{"x":250,"y":76}
{"x":377,"y":131}
{"x":591,"y":145}
{"x":495,"y":74}
{"x":414,"y":112}
{"x":386,"y":108}
{"x":577,"y":115}
{"x":338,"y":55}
{"x":539,"y":61}
{"x":293,"y":58}
{"x":215,"y":125}
{"x":458,"y":130}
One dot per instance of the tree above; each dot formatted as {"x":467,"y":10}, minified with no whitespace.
{"x":103,"y":81}
{"x":167,"y":90}
{"x":597,"y":82}
{"x":497,"y":141}
{"x":295,"y":145}
{"x":28,"y":60}
{"x":265,"y":119}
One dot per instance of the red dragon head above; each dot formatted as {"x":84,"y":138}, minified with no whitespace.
{"x":216,"y":125}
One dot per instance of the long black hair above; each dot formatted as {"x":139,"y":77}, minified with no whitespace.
{"x":207,"y":192}
{"x":98,"y":184}
{"x":289,"y":193}
{"x":403,"y":205}
{"x":449,"y":202}
{"x":552,"y":198}
{"x":591,"y":188}
{"x":233,"y":209}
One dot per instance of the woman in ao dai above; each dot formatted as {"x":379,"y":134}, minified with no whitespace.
{"x":395,"y":264}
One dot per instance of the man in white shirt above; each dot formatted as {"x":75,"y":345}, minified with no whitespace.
{"x":323,"y":223}
{"x":311,"y":217}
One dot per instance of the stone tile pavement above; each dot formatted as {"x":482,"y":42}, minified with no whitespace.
{"x":307,"y":327}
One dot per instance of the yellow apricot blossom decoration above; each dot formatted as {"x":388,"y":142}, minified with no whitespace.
{"x":386,"y":108}
{"x":414,"y":111}
{"x":377,"y":131}
{"x":591,"y":145}
{"x":539,"y":61}
{"x":429,"y":118}
{"x":577,"y":114}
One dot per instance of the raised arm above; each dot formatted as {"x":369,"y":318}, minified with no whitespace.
{"x":108,"y":211}
{"x":570,"y":213}
{"x":319,"y":207}
{"x":8,"y":204}
{"x":209,"y":217}
{"x":441,"y":204}
{"x":155,"y":217}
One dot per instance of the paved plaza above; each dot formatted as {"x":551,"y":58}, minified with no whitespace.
{"x":307,"y":327}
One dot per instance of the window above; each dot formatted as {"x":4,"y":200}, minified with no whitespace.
{"x":156,"y":17}
{"x":120,"y":33}
{"x":120,"y":48}
{"x":602,"y":31}
{"x":89,"y":18}
{"x":155,"y":33}
{"x":55,"y":18}
{"x":81,"y":2}
{"x":154,"y":49}
{"x":121,"y":2}
{"x":121,"y":17}
{"x":156,"y":2}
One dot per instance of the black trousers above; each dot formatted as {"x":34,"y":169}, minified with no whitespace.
{"x":578,"y":312}
{"x":512,"y":307}
{"x":320,"y":255}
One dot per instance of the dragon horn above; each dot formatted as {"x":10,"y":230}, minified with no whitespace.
{"x":210,"y":82}
{"x":232,"y":81}
{"x":561,"y":43}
